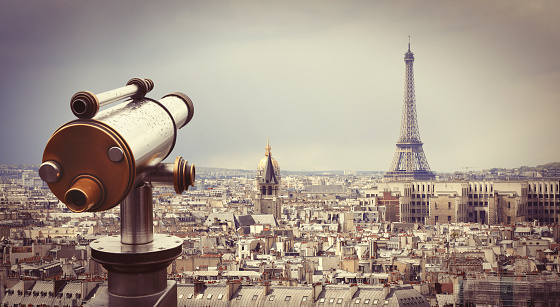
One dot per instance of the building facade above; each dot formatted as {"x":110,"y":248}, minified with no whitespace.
{"x":485,"y":202}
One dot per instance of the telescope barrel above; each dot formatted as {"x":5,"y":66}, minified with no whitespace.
{"x":92,"y":164}
{"x":85,"y":104}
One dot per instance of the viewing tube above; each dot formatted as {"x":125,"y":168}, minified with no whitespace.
{"x":86,"y":104}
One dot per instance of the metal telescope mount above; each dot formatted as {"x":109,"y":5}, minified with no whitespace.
{"x":113,"y":157}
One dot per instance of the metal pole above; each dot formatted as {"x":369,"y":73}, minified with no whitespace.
{"x":137,"y":216}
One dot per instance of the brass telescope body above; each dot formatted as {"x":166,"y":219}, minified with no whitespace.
{"x":92,"y":164}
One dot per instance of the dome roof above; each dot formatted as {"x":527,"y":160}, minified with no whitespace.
{"x":262,"y":163}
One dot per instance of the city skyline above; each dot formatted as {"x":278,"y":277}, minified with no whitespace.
{"x":323,"y":80}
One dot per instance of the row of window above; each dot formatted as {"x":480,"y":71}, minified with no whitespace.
{"x":530,"y":204}
{"x":271,"y":298}
{"x":545,"y":211}
{"x":448,"y":218}
{"x":478,"y":204}
{"x":557,"y":196}
{"x":553,"y":187}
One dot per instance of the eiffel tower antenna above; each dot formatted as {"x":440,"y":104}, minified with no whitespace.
{"x":409,"y":161}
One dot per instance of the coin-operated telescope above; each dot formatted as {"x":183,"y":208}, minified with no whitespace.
{"x":113,"y":157}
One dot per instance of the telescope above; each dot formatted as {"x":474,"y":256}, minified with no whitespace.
{"x":114,"y":156}
{"x":92,"y":164}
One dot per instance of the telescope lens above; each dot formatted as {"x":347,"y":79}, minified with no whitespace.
{"x":79,"y":106}
{"x":77,"y":198}
{"x":84,"y":194}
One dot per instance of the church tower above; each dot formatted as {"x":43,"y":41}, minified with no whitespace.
{"x":267,"y":184}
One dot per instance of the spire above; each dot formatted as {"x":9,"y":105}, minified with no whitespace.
{"x":267,"y":148}
{"x":269,"y":176}
{"x":409,"y":43}
{"x":409,"y":56}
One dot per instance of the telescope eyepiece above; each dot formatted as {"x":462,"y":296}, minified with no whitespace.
{"x":77,"y":198}
{"x":84,"y":104}
{"x":79,"y":106}
{"x":86,"y":193}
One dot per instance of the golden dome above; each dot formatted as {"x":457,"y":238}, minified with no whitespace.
{"x":262,"y":163}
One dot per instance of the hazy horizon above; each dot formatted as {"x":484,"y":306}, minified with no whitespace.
{"x":323,"y":79}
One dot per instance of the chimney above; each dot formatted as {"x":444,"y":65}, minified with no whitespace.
{"x":28,"y":284}
{"x":386,"y":291}
{"x":199,"y":287}
{"x":58,"y":285}
{"x":87,"y":287}
{"x":353,"y":289}
{"x":317,"y":289}
{"x":231,"y":287}
{"x":266,"y":288}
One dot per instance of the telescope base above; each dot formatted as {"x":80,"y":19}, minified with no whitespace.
{"x":137,"y":273}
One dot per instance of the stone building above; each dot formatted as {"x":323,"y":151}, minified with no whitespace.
{"x":486,"y":202}
{"x":267,"y":200}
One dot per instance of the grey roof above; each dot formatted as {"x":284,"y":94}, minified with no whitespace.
{"x":269,"y":176}
{"x":331,"y":295}
{"x":264,"y":219}
{"x":222,"y":217}
{"x":245,"y":220}
{"x":210,"y":296}
{"x":41,"y":293}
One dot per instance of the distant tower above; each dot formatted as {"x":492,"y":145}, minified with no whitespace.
{"x":268,"y":182}
{"x":409,"y":161}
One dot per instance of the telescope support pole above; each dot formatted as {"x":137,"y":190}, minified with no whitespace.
{"x":137,"y":260}
{"x":137,"y":216}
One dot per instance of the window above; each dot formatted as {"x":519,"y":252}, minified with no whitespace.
{"x":304,"y":299}
{"x":220,"y":296}
{"x":209,"y":297}
{"x":366,"y":301}
{"x":239,"y":297}
{"x":322,"y":300}
{"x":339,"y":301}
{"x":189,"y":296}
{"x":449,"y":218}
{"x":448,"y":205}
{"x":357,"y":301}
{"x":255,"y":297}
{"x":271,"y":298}
{"x":200,"y":296}
{"x":331,"y":300}
{"x":287,"y":299}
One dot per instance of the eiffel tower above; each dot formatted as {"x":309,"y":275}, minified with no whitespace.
{"x":409,"y":161}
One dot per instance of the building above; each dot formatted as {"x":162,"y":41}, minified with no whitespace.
{"x":267,"y":200}
{"x":485,"y":202}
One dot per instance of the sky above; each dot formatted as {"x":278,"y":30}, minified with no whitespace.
{"x":322,"y":79}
